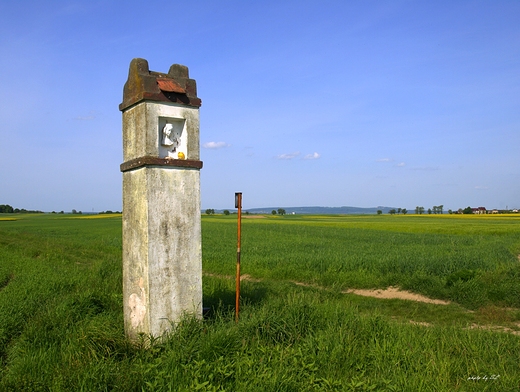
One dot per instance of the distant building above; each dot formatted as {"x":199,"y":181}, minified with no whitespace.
{"x":479,"y":210}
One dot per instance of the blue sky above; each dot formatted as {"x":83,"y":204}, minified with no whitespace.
{"x":330,"y":103}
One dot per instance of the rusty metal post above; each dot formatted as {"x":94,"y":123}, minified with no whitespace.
{"x":238,"y":204}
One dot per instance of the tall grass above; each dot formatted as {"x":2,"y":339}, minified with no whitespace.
{"x":61,"y":323}
{"x":473,"y":262}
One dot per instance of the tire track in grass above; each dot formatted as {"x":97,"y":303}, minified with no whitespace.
{"x":389,"y":293}
{"x":5,"y":282}
{"x":394,"y":293}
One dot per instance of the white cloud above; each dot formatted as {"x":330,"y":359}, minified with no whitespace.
{"x":215,"y":145}
{"x":288,"y":156}
{"x":312,"y":156}
{"x":89,"y":117}
{"x":425,"y":168}
{"x":401,"y":164}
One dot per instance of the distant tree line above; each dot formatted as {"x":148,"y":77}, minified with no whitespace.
{"x":419,"y":210}
{"x":468,"y":210}
{"x":482,"y":210}
{"x":393,"y":211}
{"x":211,"y":211}
{"x":7,"y":209}
{"x":72,"y":212}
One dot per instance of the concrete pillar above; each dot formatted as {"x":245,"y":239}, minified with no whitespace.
{"x":162,"y":263}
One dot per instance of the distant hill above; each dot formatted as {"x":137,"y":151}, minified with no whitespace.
{"x":322,"y":210}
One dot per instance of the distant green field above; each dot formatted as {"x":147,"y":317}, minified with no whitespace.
{"x":61,"y":321}
{"x":470,"y":260}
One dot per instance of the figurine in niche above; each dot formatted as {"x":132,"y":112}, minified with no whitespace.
{"x":172,"y":138}
{"x":167,"y":131}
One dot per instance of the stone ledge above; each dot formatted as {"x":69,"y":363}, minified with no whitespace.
{"x":153,"y":161}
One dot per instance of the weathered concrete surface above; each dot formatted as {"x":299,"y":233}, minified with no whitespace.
{"x":142,"y":125}
{"x":162,"y":269}
{"x":162,"y":261}
{"x":143,"y":84}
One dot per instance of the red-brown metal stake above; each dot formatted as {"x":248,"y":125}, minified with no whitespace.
{"x":238,"y":204}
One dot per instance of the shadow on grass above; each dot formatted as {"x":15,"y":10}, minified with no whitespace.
{"x":220,"y":298}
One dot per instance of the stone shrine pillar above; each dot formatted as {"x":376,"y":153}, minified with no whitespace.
{"x":162,"y":261}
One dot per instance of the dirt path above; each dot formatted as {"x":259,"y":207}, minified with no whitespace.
{"x":395,"y":293}
{"x":389,"y":293}
{"x":498,"y":328}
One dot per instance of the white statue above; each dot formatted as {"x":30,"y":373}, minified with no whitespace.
{"x":172,"y":139}
{"x":167,"y":131}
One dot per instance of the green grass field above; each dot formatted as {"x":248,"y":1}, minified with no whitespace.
{"x":61,"y":321}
